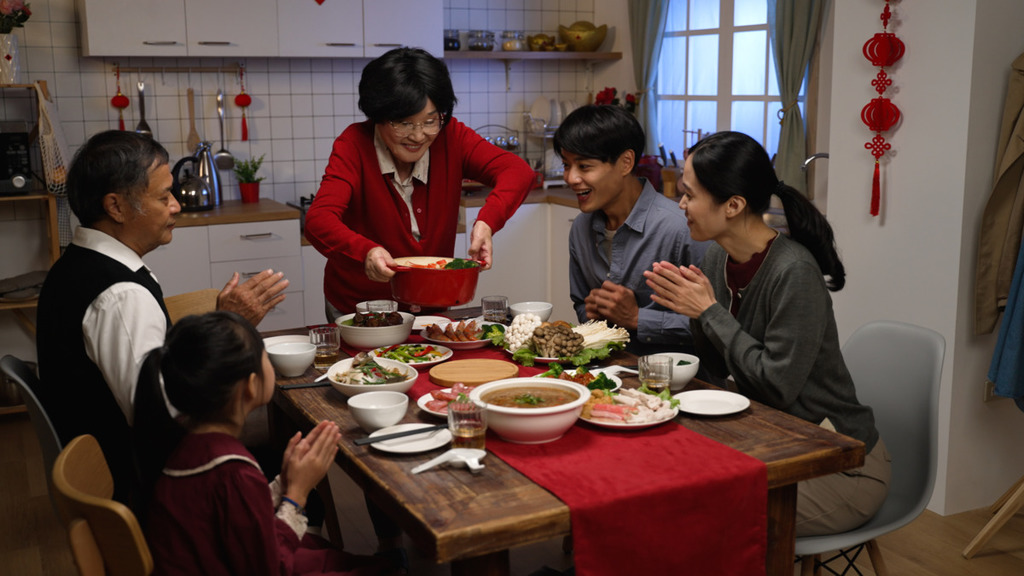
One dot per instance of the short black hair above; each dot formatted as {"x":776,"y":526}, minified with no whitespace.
{"x":111,"y":161}
{"x":398,"y":84}
{"x":600,"y":132}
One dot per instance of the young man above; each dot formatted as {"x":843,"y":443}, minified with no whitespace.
{"x":625,"y":227}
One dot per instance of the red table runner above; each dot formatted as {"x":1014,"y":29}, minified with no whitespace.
{"x":664,"y":500}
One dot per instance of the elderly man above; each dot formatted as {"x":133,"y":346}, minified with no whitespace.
{"x":101,"y":310}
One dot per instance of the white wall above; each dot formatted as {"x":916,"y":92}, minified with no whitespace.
{"x":915,"y":262}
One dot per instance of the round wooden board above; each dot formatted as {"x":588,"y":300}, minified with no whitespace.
{"x":472,"y":371}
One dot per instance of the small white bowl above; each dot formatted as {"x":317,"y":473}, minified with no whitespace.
{"x":378,"y":409}
{"x":352,"y":389}
{"x":368,"y":338}
{"x":681,"y":375}
{"x":291,"y":359}
{"x":531,"y":425}
{"x":541,"y":309}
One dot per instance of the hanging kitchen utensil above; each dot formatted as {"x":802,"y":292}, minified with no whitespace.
{"x":192,"y":141}
{"x":243,"y":101}
{"x":143,"y":127}
{"x":119,"y":101}
{"x":223,"y":158}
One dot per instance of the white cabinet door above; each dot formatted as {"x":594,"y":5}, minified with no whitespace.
{"x":559,"y":222}
{"x":520,"y":269}
{"x":388,"y":24}
{"x":313,"y":263}
{"x":132,"y":27}
{"x":250,"y":240}
{"x":333,"y":29}
{"x":231,"y":27}
{"x":184,"y":264}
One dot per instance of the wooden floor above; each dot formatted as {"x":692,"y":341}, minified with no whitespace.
{"x":32,"y":543}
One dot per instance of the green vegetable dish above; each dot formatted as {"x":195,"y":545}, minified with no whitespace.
{"x":460,"y":263}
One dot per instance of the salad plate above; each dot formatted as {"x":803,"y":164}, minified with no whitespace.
{"x":711,"y":402}
{"x":630,"y":425}
{"x":411,"y":444}
{"x":402,"y":352}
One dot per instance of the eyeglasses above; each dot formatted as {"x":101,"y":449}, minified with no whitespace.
{"x":404,"y":129}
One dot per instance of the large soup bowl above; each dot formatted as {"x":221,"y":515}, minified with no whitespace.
{"x":531,"y":425}
{"x":370,"y":337}
{"x":432,"y":287}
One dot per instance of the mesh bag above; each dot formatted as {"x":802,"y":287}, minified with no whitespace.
{"x":53,"y":148}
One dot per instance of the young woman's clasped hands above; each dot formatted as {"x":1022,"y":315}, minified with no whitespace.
{"x":682,"y":289}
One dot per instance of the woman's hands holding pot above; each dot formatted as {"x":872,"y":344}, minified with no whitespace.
{"x":684,"y":290}
{"x":378,"y":264}
{"x":480,"y":244}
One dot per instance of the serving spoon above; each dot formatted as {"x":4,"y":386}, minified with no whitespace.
{"x":143,"y":128}
{"x":223,"y":159}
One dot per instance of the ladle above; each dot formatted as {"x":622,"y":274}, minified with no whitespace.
{"x":143,"y":127}
{"x":223,"y":158}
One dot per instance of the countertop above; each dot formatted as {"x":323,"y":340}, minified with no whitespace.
{"x":234,"y":212}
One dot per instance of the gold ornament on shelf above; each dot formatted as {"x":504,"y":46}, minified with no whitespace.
{"x":583,"y":36}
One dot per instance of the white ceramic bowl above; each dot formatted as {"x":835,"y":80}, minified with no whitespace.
{"x":353,"y":389}
{"x":541,"y":309}
{"x":378,"y":409}
{"x":291,"y":359}
{"x":681,"y":375}
{"x":367,"y":338}
{"x":531,"y":425}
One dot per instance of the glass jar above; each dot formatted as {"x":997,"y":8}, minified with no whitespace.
{"x":451,"y":40}
{"x":481,"y":40}
{"x":513,"y":41}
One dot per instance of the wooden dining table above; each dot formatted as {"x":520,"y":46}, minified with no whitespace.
{"x":473,"y":520}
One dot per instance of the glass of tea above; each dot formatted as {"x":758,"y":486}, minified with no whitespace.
{"x":467,"y":422}
{"x":655,"y":372}
{"x":495,"y":308}
{"x":327,"y":339}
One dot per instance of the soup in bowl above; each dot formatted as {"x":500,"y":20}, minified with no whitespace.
{"x":531,"y":410}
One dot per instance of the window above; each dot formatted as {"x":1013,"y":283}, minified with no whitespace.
{"x":716,"y":72}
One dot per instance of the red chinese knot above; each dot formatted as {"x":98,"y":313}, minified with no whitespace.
{"x":880,"y":114}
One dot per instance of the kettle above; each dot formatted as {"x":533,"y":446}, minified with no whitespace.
{"x":191,"y":191}
{"x":207,"y":171}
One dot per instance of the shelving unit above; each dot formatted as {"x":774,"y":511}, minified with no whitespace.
{"x":510,"y":56}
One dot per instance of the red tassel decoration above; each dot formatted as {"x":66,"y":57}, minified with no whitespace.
{"x":245,"y":127}
{"x":876,"y":192}
{"x":880,"y":114}
{"x":243,"y":100}
{"x":119,"y":101}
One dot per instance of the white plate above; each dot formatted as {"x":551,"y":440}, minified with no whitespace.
{"x":411,"y":444}
{"x":422,"y":322}
{"x":615,"y":379}
{"x":268,"y":342}
{"x":469,"y":345}
{"x":422,"y":403}
{"x":711,"y":402}
{"x":630,"y":425}
{"x":446,"y":353}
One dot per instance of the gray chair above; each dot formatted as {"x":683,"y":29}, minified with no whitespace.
{"x":897,"y":369}
{"x":28,"y":383}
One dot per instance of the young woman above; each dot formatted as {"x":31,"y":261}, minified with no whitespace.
{"x":761,"y":313}
{"x":212,"y":511}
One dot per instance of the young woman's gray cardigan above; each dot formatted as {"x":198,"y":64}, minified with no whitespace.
{"x":782,"y":349}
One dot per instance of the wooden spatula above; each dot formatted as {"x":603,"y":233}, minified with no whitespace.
{"x":193,"y":136}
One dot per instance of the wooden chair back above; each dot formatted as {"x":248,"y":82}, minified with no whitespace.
{"x":105,"y":536}
{"x":196,"y":302}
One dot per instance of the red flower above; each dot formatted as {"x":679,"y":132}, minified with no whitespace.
{"x":605,"y":97}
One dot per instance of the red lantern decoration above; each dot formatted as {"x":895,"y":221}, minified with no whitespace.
{"x":119,"y":101}
{"x":243,"y":100}
{"x":880,"y":114}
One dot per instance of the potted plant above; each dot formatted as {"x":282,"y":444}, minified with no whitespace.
{"x":248,"y":181}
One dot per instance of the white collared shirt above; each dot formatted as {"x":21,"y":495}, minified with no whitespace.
{"x":122,"y":324}
{"x":420,"y":171}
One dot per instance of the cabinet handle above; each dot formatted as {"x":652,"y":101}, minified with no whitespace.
{"x":384,"y":45}
{"x":247,"y":275}
{"x":342,"y":44}
{"x":214,"y":43}
{"x":159,"y":42}
{"x":256,"y":236}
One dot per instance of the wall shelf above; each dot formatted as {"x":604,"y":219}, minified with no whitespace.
{"x":510,"y":56}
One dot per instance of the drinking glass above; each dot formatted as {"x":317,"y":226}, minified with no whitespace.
{"x":655,"y":372}
{"x":467,"y":422}
{"x":495,"y":308}
{"x":327,"y":339}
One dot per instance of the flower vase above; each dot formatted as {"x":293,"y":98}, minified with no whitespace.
{"x":10,"y":65}
{"x":250,"y":192}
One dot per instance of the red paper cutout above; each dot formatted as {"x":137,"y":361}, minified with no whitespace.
{"x":880,"y":114}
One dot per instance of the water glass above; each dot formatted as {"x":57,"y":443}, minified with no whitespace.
{"x":327,"y":339}
{"x":467,"y":422}
{"x":495,"y":308}
{"x":655,"y":372}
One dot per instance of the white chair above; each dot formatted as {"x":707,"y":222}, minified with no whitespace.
{"x":49,"y":442}
{"x":897,"y":369}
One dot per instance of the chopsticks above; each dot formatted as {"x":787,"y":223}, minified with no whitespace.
{"x":413,"y":432}
{"x":314,"y":384}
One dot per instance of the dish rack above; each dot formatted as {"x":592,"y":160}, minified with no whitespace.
{"x":538,"y":152}
{"x":501,"y":136}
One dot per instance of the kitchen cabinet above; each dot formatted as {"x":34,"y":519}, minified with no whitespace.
{"x":183,"y":265}
{"x":132,"y":27}
{"x":389,"y":24}
{"x":313,"y":263}
{"x":332,"y":29}
{"x":236,"y":28}
{"x":520,"y":269}
{"x":560,"y":220}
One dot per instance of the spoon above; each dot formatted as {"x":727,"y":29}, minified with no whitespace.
{"x":143,"y":128}
{"x":468,"y":456}
{"x":223,"y":158}
{"x":193,"y":136}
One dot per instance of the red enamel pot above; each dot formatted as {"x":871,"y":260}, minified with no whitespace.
{"x":415,"y":284}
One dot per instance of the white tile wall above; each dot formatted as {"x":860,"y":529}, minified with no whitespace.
{"x":298,"y":105}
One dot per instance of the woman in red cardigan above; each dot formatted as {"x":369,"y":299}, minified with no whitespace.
{"x":393,"y":184}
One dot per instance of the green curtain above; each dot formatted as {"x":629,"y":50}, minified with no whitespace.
{"x":793,"y":26}
{"x":646,"y":30}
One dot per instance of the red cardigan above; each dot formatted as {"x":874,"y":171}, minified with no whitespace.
{"x":357,"y":208}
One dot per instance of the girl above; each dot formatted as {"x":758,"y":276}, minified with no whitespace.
{"x":761,"y":313}
{"x":212,"y":511}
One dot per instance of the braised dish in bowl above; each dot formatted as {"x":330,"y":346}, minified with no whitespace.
{"x":434,"y":282}
{"x":531,"y":410}
{"x":368,"y":334}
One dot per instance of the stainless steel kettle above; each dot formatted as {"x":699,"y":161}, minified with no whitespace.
{"x":207,"y":170}
{"x":191,"y":191}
